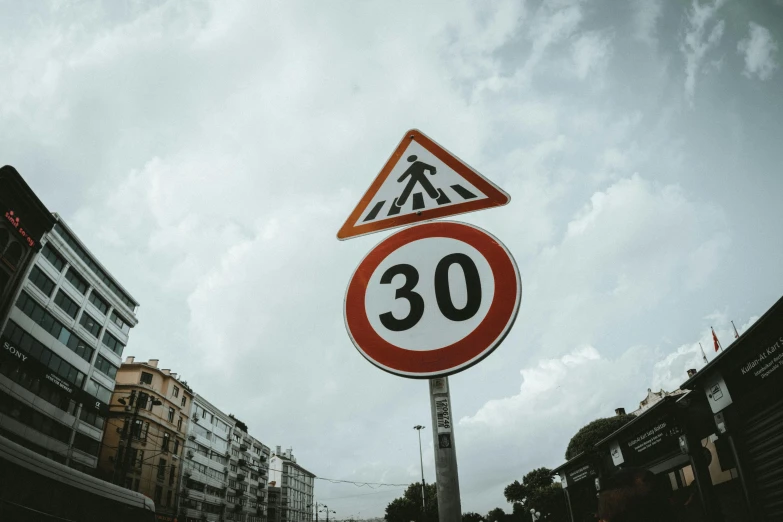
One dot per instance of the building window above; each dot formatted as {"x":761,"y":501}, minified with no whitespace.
{"x":54,"y":258}
{"x":161,"y":468}
{"x":112,"y":343}
{"x":165,"y":445}
{"x":176,"y":391}
{"x":105,"y":367}
{"x":146,"y":378}
{"x":40,"y":280}
{"x":179,"y":424}
{"x":76,"y":280}
{"x":184,"y":401}
{"x":99,"y":303}
{"x":55,"y":328}
{"x":103,"y":276}
{"x":98,"y":391}
{"x":90,"y":324}
{"x":35,"y":349}
{"x":172,"y":474}
{"x":234,"y":468}
{"x":91,"y":418}
{"x":158,"y":493}
{"x":176,"y":446}
{"x":171,"y":415}
{"x":66,"y":304}
{"x":121,"y":323}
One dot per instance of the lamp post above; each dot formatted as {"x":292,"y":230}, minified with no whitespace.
{"x":418,"y":428}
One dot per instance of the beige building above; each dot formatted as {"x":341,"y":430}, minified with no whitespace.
{"x":146,"y":433}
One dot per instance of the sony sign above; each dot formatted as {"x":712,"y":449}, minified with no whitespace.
{"x":13,"y":350}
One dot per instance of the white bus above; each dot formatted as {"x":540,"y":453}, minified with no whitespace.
{"x":34,"y":488}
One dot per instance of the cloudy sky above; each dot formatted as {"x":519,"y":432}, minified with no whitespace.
{"x":208,"y":152}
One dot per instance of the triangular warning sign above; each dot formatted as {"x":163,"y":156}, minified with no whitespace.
{"x":421,"y":181}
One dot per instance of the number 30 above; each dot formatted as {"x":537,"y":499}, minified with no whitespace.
{"x":442,"y":292}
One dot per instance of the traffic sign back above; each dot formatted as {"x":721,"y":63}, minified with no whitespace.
{"x":421,"y":181}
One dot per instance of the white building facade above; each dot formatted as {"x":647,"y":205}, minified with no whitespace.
{"x":68,"y":327}
{"x":225,"y":470}
{"x":296,"y":487}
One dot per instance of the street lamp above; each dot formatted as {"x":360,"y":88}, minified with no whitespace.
{"x":418,"y":428}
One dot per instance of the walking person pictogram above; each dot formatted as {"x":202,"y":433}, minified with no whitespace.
{"x":417,"y":175}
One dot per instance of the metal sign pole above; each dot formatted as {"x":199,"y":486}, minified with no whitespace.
{"x":447,"y":477}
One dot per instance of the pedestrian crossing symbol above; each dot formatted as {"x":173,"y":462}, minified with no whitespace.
{"x":421,"y":181}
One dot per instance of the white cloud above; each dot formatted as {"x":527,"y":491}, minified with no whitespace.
{"x":646,"y":15}
{"x":699,"y":40}
{"x":590,"y":53}
{"x":758,"y":49}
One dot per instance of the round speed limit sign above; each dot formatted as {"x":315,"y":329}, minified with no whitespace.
{"x":433,"y":299}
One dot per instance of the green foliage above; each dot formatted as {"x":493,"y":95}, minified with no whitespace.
{"x":496,"y":515}
{"x":537,"y":491}
{"x":590,"y":434}
{"x":472,"y":517}
{"x":548,"y":500}
{"x":515,"y":492}
{"x":408,"y":506}
{"x":538,"y":478}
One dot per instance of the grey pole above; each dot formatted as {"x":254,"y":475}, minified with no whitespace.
{"x":446,"y":475}
{"x":418,"y":428}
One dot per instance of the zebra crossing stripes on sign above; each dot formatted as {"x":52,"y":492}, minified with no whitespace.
{"x":421,"y":181}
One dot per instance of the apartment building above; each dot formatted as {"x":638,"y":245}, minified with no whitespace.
{"x":296,"y":487}
{"x":62,"y":338}
{"x":226,"y":469}
{"x":148,"y":426}
{"x":205,"y":464}
{"x":248,"y":474}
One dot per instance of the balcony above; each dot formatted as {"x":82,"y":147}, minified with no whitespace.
{"x":241,"y":477}
{"x":243,"y":447}
{"x":242,"y":463}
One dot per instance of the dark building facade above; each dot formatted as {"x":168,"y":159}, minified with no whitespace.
{"x":23,"y":224}
{"x":717,"y":448}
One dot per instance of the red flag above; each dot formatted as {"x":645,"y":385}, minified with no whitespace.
{"x":715,"y":339}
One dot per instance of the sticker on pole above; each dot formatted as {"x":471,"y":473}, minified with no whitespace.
{"x":421,"y":181}
{"x":432,"y":300}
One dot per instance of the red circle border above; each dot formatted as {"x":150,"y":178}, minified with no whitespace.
{"x":461,"y":354}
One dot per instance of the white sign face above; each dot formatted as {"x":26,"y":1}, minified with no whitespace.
{"x":433,"y":330}
{"x":617,"y":453}
{"x":432,"y":300}
{"x":717,"y":392}
{"x":419,"y":182}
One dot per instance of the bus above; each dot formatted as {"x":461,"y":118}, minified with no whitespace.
{"x":34,"y":488}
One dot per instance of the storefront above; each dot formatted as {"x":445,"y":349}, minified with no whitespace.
{"x":578,"y":477}
{"x":743,"y":387}
{"x":677,"y":440}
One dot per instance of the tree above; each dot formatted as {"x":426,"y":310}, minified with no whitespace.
{"x":589,"y":435}
{"x":472,"y":517}
{"x":408,"y":506}
{"x":537,"y":491}
{"x":496,"y":515}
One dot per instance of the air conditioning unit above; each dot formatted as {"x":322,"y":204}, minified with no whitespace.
{"x":190,"y":454}
{"x":195,"y":417}
{"x":191,"y":437}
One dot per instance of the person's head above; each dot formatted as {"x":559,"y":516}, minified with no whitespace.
{"x":632,"y":495}
{"x":412,"y":158}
